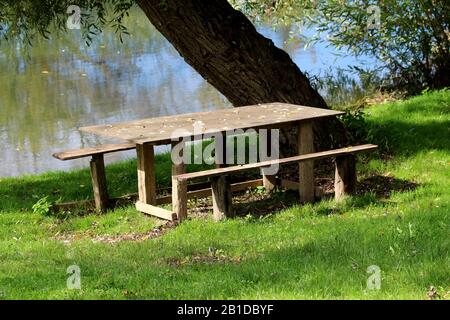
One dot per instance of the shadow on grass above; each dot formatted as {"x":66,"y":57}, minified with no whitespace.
{"x":22,"y":192}
{"x":370,"y":191}
{"x":260,"y":205}
{"x":406,"y":138}
{"x":383,"y":186}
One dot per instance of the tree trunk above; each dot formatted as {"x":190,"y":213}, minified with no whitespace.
{"x":223,"y":46}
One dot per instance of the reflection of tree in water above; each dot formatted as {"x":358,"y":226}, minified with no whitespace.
{"x":62,"y":85}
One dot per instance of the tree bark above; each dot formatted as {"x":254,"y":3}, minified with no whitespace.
{"x":223,"y":46}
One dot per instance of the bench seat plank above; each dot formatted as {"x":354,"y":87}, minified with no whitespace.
{"x":305,"y":157}
{"x":87,"y":152}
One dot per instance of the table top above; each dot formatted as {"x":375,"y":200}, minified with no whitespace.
{"x":162,"y":130}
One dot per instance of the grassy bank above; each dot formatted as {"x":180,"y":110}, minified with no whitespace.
{"x":319,"y":251}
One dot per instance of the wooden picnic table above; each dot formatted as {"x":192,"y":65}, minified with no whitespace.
{"x":147,"y":133}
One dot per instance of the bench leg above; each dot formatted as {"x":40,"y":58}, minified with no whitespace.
{"x":345,"y":176}
{"x":146,"y":173}
{"x":179,"y":190}
{"x":179,"y":199}
{"x":222,"y":198}
{"x":99,"y":183}
{"x":306,"y":169}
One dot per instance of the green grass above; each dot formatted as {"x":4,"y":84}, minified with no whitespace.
{"x":319,"y":251}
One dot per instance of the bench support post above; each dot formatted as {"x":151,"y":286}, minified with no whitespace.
{"x":146,"y":173}
{"x":222,"y":198}
{"x":99,"y":182}
{"x":345,"y":176}
{"x":179,"y":187}
{"x":179,"y":199}
{"x":306,"y":168}
{"x":221,"y":188}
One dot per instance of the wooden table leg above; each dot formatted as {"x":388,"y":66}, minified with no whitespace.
{"x":147,"y":183}
{"x":269,"y":181}
{"x":221,"y":151}
{"x":146,"y":173}
{"x":99,"y":183}
{"x":221,"y":187}
{"x":179,"y":188}
{"x":306,"y":169}
{"x":222,"y":198}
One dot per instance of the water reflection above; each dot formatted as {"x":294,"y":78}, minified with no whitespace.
{"x":63,"y":85}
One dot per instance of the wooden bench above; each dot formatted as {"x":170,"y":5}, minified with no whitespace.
{"x":97,"y":165}
{"x":345,"y":178}
{"x":102,"y":201}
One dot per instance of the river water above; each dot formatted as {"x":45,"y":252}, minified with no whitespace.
{"x":57,"y":86}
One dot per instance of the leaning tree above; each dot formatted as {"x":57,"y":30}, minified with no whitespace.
{"x":219,"y":42}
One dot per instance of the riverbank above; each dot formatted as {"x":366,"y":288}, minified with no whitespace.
{"x":320,"y":251}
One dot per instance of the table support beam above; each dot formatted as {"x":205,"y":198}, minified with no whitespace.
{"x":179,"y":188}
{"x":99,"y":185}
{"x":306,"y":169}
{"x":222,"y":198}
{"x":221,"y":151}
{"x":146,"y":173}
{"x":221,"y":188}
{"x":269,"y":181}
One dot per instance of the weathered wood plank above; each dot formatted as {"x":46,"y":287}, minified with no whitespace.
{"x":159,"y":130}
{"x":289,"y":185}
{"x":99,"y":185}
{"x":146,"y":173}
{"x":179,"y":199}
{"x":221,"y":151}
{"x":220,"y":187}
{"x":306,"y":168}
{"x":179,"y":188}
{"x":156,"y":211}
{"x":269,"y":181}
{"x":345,"y":176}
{"x":300,"y":158}
{"x":222,"y":198}
{"x":86,"y":152}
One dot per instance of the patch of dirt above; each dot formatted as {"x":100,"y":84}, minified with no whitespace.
{"x":255,"y":202}
{"x":212,"y":258}
{"x":112,"y":239}
{"x":323,"y":171}
{"x":381,"y":185}
{"x":434,"y":294}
